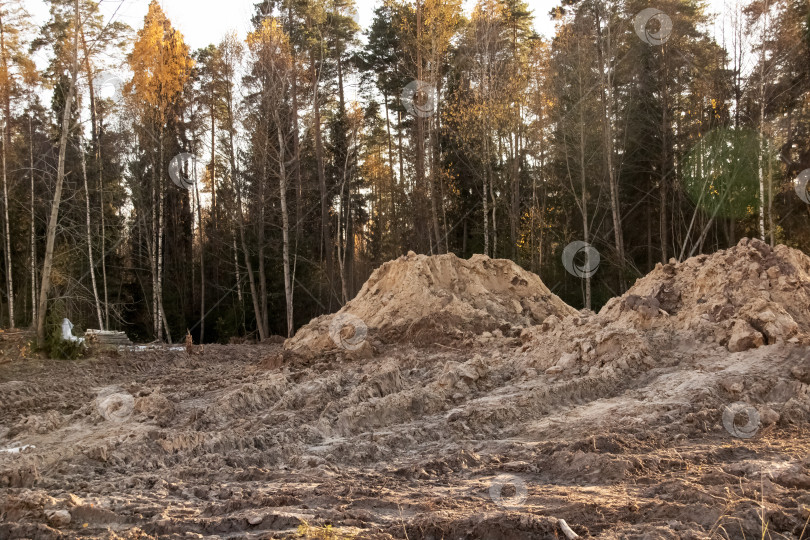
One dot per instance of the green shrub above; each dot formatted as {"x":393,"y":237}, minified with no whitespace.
{"x":55,"y":347}
{"x":228,"y":324}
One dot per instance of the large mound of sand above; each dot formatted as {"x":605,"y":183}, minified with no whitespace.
{"x":743,"y":297}
{"x":424,"y":298}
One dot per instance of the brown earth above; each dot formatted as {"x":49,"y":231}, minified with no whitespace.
{"x":15,"y":345}
{"x":425,"y":299}
{"x":740,"y":298}
{"x":630,"y":423}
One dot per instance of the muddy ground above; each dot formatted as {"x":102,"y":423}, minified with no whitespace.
{"x":449,"y":400}
{"x":411,"y":443}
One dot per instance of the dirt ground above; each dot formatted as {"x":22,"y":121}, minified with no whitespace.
{"x":647,"y":429}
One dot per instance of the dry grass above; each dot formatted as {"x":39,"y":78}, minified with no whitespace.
{"x":325,"y":532}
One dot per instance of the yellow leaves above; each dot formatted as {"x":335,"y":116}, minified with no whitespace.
{"x":270,"y":46}
{"x":355,"y":115}
{"x":270,"y":32}
{"x":15,"y":63}
{"x":488,"y":10}
{"x":376,"y":170}
{"x":160,"y":63}
{"x":440,"y":18}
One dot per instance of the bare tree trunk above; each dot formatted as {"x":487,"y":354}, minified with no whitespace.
{"x":434,"y":201}
{"x":351,"y":248}
{"x":6,"y":141}
{"x":257,"y":313}
{"x":663,"y":228}
{"x":607,"y":111}
{"x":340,"y":255}
{"x":420,"y":132}
{"x":238,"y":189}
{"x":585,"y":227}
{"x":285,"y":226}
{"x":265,"y":322}
{"x":538,"y":246}
{"x":299,"y":194}
{"x":514,"y":210}
{"x":33,"y":229}
{"x":435,"y":177}
{"x":542,"y":227}
{"x":89,"y":233}
{"x":236,"y":269}
{"x":96,"y":133}
{"x":202,"y":260}
{"x":326,"y":251}
{"x":771,"y":225}
{"x":95,"y":123}
{"x":532,"y":226}
{"x":50,"y":241}
{"x":485,"y":200}
{"x":347,"y":279}
{"x":494,"y":211}
{"x":7,"y":231}
{"x":241,"y":218}
{"x":165,"y":322}
{"x":152,"y":246}
{"x":514,"y":215}
{"x":213,"y":169}
{"x":345,"y":213}
{"x":103,"y":237}
{"x":393,"y":217}
{"x":159,"y":250}
{"x":343,"y":249}
{"x":762,"y":144}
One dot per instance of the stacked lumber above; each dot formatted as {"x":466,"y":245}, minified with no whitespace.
{"x":15,"y":335}
{"x":106,"y":338}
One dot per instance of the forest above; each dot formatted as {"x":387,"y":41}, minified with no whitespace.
{"x":236,"y":191}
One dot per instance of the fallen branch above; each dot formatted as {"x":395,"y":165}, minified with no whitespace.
{"x":567,"y":530}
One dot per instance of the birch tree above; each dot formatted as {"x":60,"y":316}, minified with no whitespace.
{"x":15,"y":66}
{"x":47,"y":264}
{"x":161,"y":66}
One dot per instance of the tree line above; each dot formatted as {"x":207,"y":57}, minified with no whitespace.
{"x":241,"y":189}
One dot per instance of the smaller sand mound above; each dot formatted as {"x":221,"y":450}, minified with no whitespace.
{"x":742,"y":297}
{"x":738,"y":299}
{"x":432,"y":298}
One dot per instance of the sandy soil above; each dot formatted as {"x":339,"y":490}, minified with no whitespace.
{"x":420,"y":443}
{"x":654,"y":429}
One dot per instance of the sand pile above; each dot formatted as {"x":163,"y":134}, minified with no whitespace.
{"x":743,"y":297}
{"x":424,"y":298}
{"x":738,"y":299}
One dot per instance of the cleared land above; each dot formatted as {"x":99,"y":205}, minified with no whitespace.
{"x":472,"y":404}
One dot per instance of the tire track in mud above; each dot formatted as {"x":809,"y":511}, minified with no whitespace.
{"x":408,"y":442}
